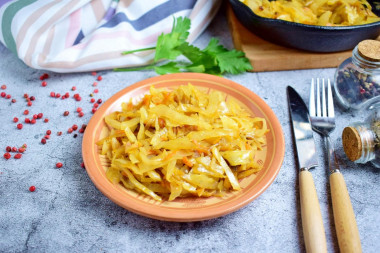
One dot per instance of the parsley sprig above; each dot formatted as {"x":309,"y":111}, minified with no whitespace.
{"x":214,"y":59}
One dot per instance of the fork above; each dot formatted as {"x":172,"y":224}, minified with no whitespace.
{"x":322,"y":118}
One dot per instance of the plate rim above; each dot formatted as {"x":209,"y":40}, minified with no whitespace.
{"x":188,"y":214}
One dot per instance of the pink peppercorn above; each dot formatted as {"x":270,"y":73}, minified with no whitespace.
{"x":95,"y":84}
{"x":57,"y":95}
{"x":93,"y":73}
{"x":47,"y":136}
{"x":33,"y":121}
{"x":7,"y":155}
{"x":18,"y":156}
{"x":13,"y":100}
{"x":43,"y":141}
{"x":8,"y":96}
{"x":96,"y":105}
{"x":43,"y":84}
{"x":70,"y":130}
{"x":14,"y":149}
{"x":27,"y":120}
{"x":8,"y":149}
{"x":46,"y":120}
{"x":74,"y":127}
{"x":92,"y":100}
{"x":40,"y":115}
{"x":99,"y":101}
{"x":35,"y":116}
{"x":52,"y":94}
{"x":73,"y":88}
{"x":81,"y":114}
{"x":32,"y":98}
{"x":96,"y":91}
{"x":79,"y":109}
{"x":15,"y":119}
{"x":3,"y":87}
{"x":3,"y":94}
{"x":66,"y":113}
{"x":26,"y":112}
{"x":32,"y":188}
{"x":99,"y":78}
{"x":29,"y":103}
{"x":93,"y":110}
{"x":19,"y":126}
{"x":48,"y":132}
{"x":59,"y":165}
{"x":21,"y":150}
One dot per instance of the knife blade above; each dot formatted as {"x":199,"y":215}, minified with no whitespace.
{"x":312,"y":223}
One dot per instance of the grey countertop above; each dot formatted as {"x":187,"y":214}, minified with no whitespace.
{"x":67,"y":213}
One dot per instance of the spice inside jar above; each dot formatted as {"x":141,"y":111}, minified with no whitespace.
{"x":357,"y":79}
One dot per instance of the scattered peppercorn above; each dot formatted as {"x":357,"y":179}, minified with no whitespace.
{"x":43,"y":141}
{"x":70,"y":130}
{"x":96,"y":105}
{"x":29,"y":104}
{"x":79,"y":109}
{"x":32,"y":98}
{"x":66,"y":113}
{"x":14,"y":149}
{"x":59,"y":165}
{"x":95,"y":84}
{"x":92,"y":100}
{"x":100,"y":101}
{"x":74,"y":127}
{"x":75,"y":135}
{"x":81,"y":114}
{"x":99,"y":78}
{"x":8,"y":149}
{"x":35,"y":116}
{"x":32,"y":188}
{"x":59,"y":133}
{"x":40,"y":115}
{"x":57,"y":95}
{"x":7,"y":155}
{"x":46,"y":120}
{"x":48,"y":132}
{"x":96,"y":91}
{"x":47,"y":137}
{"x":26,"y":112}
{"x":3,"y":94}
{"x":8,"y":96}
{"x":27,"y":120}
{"x":19,"y":126}
{"x":13,"y":100}
{"x":3,"y":87}
{"x":33,"y":121}
{"x":93,"y":110}
{"x":15,"y":119}
{"x":44,"y":84}
{"x":21,"y":150}
{"x":52,"y":94}
{"x":18,"y":156}
{"x":73,"y":88}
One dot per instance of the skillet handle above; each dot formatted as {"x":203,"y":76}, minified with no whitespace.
{"x":344,"y":217}
{"x":312,"y":223}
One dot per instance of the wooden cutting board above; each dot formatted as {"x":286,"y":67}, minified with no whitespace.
{"x":266,"y":56}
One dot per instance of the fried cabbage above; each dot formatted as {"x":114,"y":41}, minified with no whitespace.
{"x":316,"y":12}
{"x":181,"y":143}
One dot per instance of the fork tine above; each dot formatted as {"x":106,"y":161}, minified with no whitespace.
{"x":312,"y":99}
{"x":324,"y":110}
{"x":330,"y":100}
{"x":319,"y":114}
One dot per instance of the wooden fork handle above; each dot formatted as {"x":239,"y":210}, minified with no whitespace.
{"x":344,"y":217}
{"x":312,"y":223}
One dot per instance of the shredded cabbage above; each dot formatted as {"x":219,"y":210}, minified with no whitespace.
{"x":182,"y":142}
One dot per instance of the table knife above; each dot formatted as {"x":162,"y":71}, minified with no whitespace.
{"x":312,"y":223}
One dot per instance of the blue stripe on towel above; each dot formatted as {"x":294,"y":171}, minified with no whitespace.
{"x":153,"y":16}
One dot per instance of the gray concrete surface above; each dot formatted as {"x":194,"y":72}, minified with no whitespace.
{"x":67,"y":213}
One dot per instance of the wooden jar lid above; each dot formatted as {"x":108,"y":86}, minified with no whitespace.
{"x":352,"y":143}
{"x":370,"y":50}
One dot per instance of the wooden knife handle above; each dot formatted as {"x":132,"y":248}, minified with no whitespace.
{"x":312,"y":223}
{"x":344,"y":217}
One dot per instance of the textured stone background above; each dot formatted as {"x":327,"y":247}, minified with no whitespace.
{"x":68,"y":214}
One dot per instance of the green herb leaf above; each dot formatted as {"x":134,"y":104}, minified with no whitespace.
{"x":167,"y":43}
{"x":167,"y":68}
{"x":214,"y":59}
{"x":233,"y":62}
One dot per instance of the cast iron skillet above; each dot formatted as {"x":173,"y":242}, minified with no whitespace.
{"x":306,"y":37}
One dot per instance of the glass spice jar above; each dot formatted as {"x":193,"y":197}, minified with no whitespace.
{"x":357,"y":79}
{"x":361,"y":140}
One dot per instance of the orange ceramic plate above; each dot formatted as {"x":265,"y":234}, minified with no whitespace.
{"x":186,"y":209}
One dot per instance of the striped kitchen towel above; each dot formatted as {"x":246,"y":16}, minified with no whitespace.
{"x":85,"y":35}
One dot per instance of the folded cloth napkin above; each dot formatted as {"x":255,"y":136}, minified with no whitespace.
{"x":85,"y":35}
